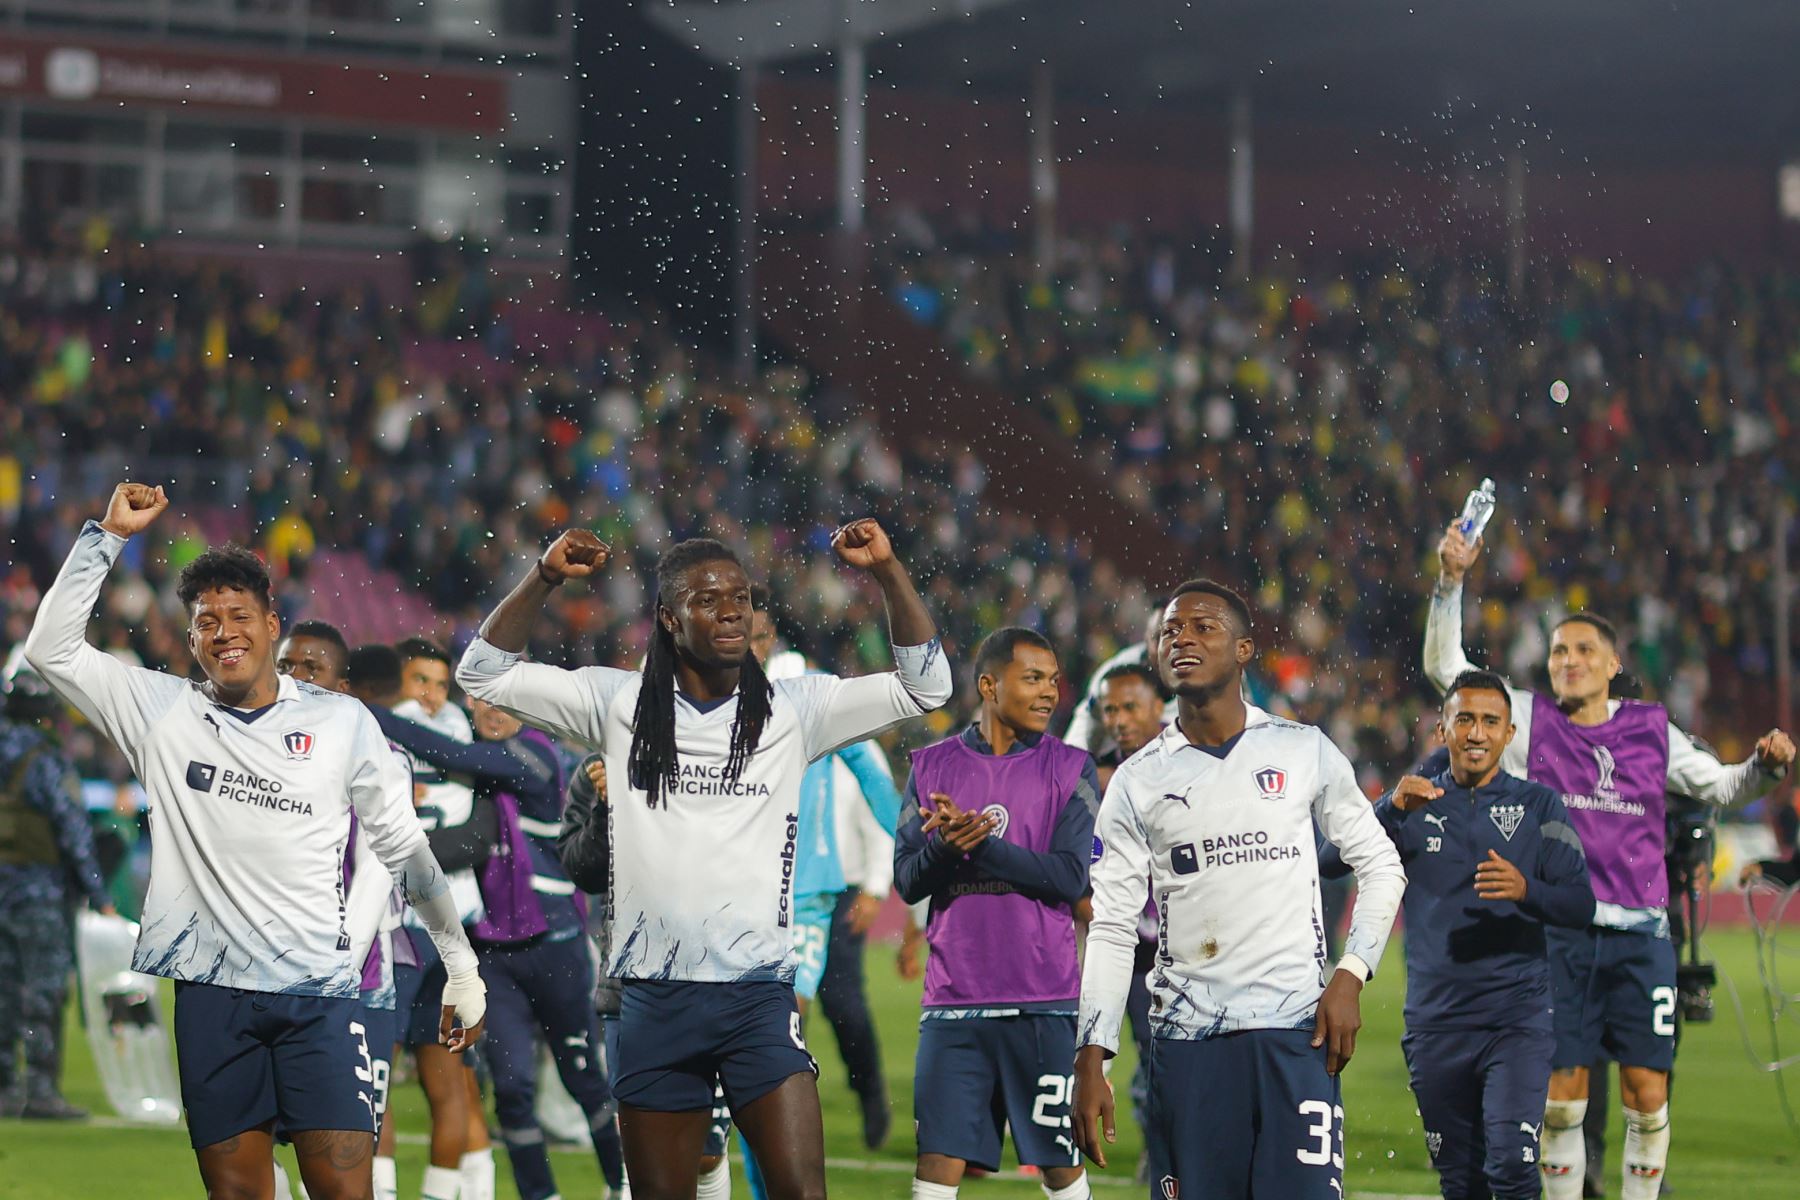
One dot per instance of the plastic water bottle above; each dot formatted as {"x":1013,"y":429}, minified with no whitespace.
{"x":1476,"y":511}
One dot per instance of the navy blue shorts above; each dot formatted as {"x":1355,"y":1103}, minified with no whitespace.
{"x":378,"y":1026}
{"x":718,"y":1134}
{"x":1614,"y":997}
{"x":1481,"y":1097}
{"x":977,"y":1075}
{"x":419,"y":1025}
{"x":1249,"y":1114}
{"x":678,"y":1041}
{"x":249,"y":1058}
{"x":406,"y":990}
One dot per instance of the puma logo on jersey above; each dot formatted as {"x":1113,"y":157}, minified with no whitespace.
{"x":1434,"y":819}
{"x":1179,"y":797}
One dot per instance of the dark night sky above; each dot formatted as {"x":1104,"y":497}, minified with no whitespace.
{"x":653,"y":185}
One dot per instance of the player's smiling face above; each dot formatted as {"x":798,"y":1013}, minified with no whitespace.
{"x":426,"y":680}
{"x":310,"y":660}
{"x":1132,"y":713}
{"x":1201,"y":647}
{"x":230,"y":634}
{"x":1582,"y":663}
{"x":709,"y":614}
{"x":1477,"y":727}
{"x":1024,"y":695}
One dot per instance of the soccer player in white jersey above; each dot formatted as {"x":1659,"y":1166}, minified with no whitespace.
{"x":705,"y":757}
{"x":252,"y":779}
{"x":1612,"y":761}
{"x":1251,"y":1023}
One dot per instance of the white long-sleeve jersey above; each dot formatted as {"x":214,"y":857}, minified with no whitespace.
{"x":249,"y":817}
{"x":702,"y":886}
{"x":449,"y":800}
{"x":1226,"y":848}
{"x":1692,"y":771}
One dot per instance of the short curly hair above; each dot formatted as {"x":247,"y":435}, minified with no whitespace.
{"x":231,"y":566}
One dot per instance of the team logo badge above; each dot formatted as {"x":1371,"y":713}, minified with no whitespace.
{"x":1170,"y":1187}
{"x":1433,"y":1143}
{"x":200,"y":776}
{"x":299,"y":744}
{"x":1099,"y":849}
{"x":1000,"y":816}
{"x":1507,"y":818}
{"x":1271,"y":782}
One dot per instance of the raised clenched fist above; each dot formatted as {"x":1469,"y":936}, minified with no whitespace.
{"x":863,"y":544}
{"x":577,"y":554}
{"x":132,"y":507}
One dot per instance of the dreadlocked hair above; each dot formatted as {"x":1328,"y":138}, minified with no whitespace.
{"x":652,"y":766}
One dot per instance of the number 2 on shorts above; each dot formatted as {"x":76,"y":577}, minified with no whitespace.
{"x":1662,"y":1020}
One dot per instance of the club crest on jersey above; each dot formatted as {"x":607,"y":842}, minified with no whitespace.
{"x":1508,"y":818}
{"x":1170,"y":1187}
{"x":1099,"y":849}
{"x":1271,"y":782}
{"x":299,"y":744}
{"x":1000,"y":817}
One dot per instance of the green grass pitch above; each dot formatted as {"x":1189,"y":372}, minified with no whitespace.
{"x":1731,"y":1139}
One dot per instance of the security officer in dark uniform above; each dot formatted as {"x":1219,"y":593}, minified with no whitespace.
{"x":46,"y":860}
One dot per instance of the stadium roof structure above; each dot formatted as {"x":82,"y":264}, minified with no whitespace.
{"x":1599,"y":73}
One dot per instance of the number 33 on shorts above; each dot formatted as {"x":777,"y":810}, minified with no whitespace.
{"x":1325,"y":1128}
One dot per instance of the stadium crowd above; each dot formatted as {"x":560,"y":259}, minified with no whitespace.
{"x":306,"y":419}
{"x":1326,"y":397}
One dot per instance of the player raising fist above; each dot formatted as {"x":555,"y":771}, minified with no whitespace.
{"x":1612,"y":761}
{"x":252,"y":779}
{"x":704,"y":758}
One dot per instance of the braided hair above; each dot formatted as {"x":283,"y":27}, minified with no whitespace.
{"x":652,"y":765}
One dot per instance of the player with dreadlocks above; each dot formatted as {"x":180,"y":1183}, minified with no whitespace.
{"x":707,"y":757}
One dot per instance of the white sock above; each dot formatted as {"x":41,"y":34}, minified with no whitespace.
{"x":715,"y":1184}
{"x":1075,"y":1191}
{"x":1646,"y":1153}
{"x":282,"y":1191}
{"x":933,"y":1191}
{"x":1563,"y":1150}
{"x":387,"y":1179}
{"x":441,"y":1183}
{"x":478,"y":1175}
